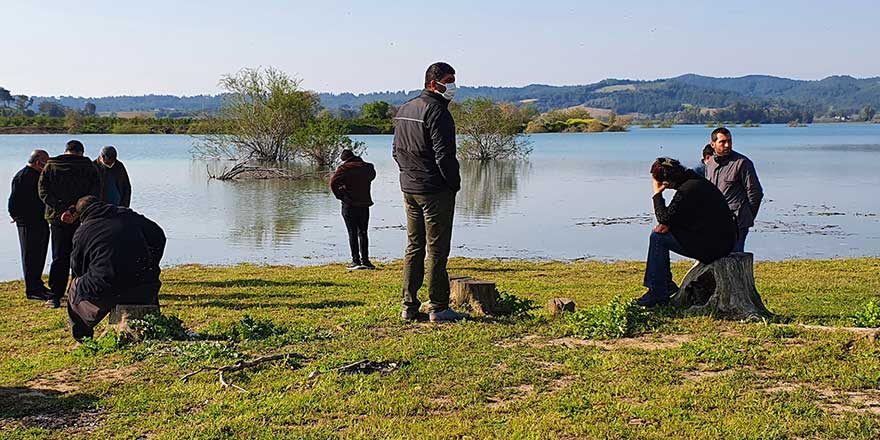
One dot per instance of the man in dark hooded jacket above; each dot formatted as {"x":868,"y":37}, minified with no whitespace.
{"x":64,"y":180}
{"x":115,"y":259}
{"x":351,"y":184}
{"x":115,"y":184}
{"x":697,"y":223}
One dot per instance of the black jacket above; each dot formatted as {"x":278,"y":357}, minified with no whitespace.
{"x":64,"y":180}
{"x":25,"y":206}
{"x":351,"y":182}
{"x":120,"y":176}
{"x":699,"y":218}
{"x":115,"y":249}
{"x":424,"y":146}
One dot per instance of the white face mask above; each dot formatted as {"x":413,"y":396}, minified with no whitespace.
{"x":450,"y":90}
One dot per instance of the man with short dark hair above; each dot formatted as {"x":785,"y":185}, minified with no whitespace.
{"x":115,"y":184}
{"x":708,"y":151}
{"x":116,"y":255}
{"x":27,"y":210}
{"x":734,"y":174}
{"x":424,"y":149}
{"x":64,"y":180}
{"x":697,"y":224}
{"x":351,"y":184}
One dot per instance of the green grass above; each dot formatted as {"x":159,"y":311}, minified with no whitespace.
{"x":525,"y":376}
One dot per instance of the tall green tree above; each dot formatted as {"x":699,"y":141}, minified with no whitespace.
{"x":867,"y":113}
{"x":375,"y":110}
{"x":6,"y":97}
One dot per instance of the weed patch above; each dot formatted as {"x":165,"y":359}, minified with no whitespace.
{"x":869,"y":316}
{"x":618,"y":319}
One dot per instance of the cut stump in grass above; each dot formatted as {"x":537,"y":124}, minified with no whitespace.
{"x":479,"y":295}
{"x":726,"y":286}
{"x":121,"y":316}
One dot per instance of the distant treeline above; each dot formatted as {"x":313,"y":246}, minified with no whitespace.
{"x":687,"y":98}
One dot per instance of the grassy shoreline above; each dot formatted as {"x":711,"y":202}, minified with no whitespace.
{"x":686,"y":377}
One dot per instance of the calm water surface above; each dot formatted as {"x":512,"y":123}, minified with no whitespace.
{"x":578,"y":196}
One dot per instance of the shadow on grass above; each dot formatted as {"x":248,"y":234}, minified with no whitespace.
{"x":253,"y":282}
{"x":484,"y":269}
{"x":47,"y":409}
{"x":238,"y":305}
{"x":207,"y":296}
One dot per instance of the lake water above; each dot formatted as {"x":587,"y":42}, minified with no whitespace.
{"x":578,"y":196}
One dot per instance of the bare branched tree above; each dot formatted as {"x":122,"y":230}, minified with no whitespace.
{"x":262,"y":109}
{"x":490,"y":131}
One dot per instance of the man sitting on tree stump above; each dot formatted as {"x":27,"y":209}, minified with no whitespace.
{"x":697,"y":224}
{"x":115,"y":260}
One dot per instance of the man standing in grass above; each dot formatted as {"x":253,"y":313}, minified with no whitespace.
{"x":27,"y":211}
{"x":115,"y":185}
{"x":424,"y":149}
{"x":63,"y":181}
{"x":734,"y":174}
{"x":351,"y":184}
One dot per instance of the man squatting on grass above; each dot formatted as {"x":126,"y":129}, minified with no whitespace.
{"x":424,"y":149}
{"x":115,"y":259}
{"x":351,"y":184}
{"x":697,"y":224}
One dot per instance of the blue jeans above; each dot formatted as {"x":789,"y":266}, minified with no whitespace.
{"x":741,"y":240}
{"x":658,"y":275}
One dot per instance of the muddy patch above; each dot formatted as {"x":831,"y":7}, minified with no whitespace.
{"x":861,"y":402}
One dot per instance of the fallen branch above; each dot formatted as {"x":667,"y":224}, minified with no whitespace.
{"x":364,"y":366}
{"x":241,"y":365}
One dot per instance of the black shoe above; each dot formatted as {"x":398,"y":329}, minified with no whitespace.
{"x":368,"y":265}
{"x":39,"y":295}
{"x":651,"y":300}
{"x":53,"y":303}
{"x":355,"y":266}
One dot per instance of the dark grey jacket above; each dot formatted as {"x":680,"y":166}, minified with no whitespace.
{"x":424,"y":146}
{"x":735,"y":176}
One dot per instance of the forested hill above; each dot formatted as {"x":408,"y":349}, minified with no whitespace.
{"x":826,"y":97}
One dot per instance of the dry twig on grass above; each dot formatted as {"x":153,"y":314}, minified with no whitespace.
{"x":241,"y":365}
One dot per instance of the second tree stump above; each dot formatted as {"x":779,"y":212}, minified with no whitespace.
{"x":727,"y":286}
{"x":479,"y":295}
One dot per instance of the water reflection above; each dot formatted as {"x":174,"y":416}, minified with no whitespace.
{"x":487,"y":186}
{"x":270,"y":213}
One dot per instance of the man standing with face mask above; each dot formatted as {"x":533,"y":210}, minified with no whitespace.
{"x":424,"y":149}
{"x":115,"y":185}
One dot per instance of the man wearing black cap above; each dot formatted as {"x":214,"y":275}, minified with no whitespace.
{"x":27,"y":211}
{"x":116,"y":255}
{"x":64,"y":180}
{"x":351,"y":184}
{"x":115,"y":185}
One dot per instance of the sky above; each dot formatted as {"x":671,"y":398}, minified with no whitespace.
{"x":97,"y":48}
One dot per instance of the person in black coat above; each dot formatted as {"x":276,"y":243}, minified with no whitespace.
{"x":351,"y":184}
{"x":115,"y":260}
{"x":697,"y":223}
{"x":27,"y":210}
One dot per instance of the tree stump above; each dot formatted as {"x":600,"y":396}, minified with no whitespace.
{"x":558,"y":306}
{"x":122,"y":314}
{"x":727,"y":286}
{"x":480,"y":296}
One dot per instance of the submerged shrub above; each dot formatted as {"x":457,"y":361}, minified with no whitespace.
{"x":617,"y":319}
{"x":869,"y":316}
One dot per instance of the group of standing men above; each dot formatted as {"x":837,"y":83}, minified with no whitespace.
{"x":83,"y":207}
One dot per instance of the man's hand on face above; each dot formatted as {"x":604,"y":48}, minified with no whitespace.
{"x":661,"y":229}
{"x":658,"y":187}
